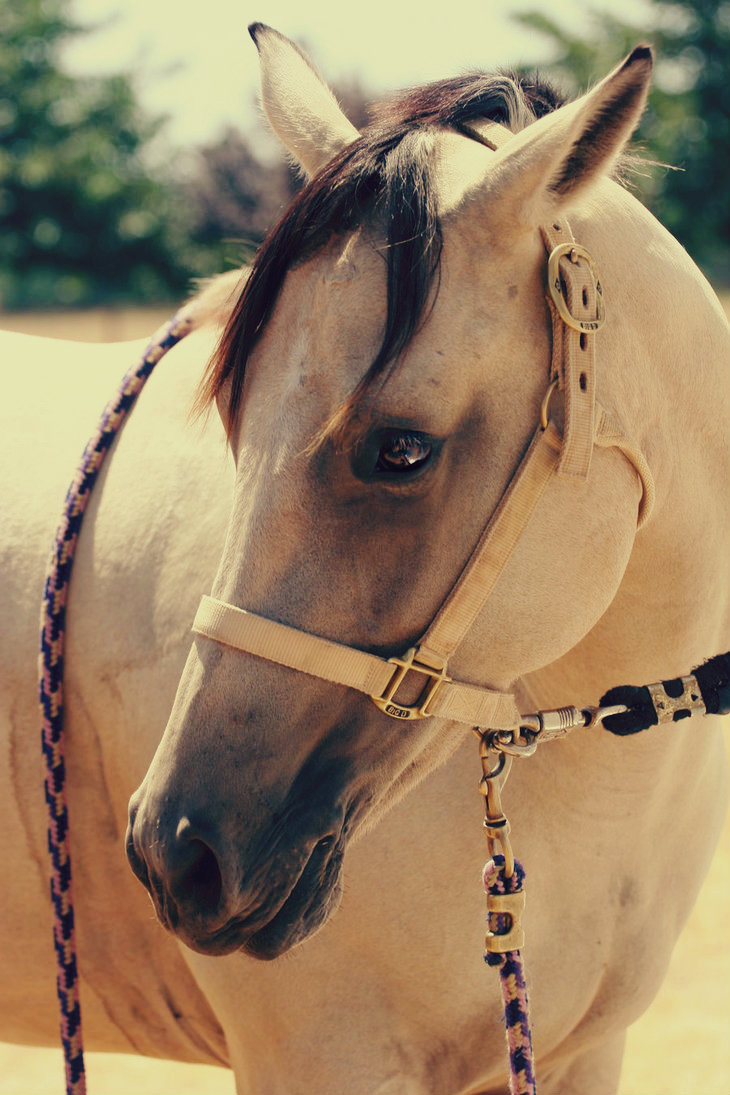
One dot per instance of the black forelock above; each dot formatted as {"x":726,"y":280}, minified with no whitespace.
{"x":384,"y":175}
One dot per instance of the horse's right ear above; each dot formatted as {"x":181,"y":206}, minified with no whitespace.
{"x":301,"y":108}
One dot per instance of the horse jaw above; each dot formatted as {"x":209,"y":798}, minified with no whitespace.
{"x":300,"y":107}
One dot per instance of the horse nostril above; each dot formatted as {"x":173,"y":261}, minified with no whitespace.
{"x":182,"y":874}
{"x":200,"y":884}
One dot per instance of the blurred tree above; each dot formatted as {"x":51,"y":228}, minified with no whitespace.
{"x":231,"y":197}
{"x":687,"y":123}
{"x":81,"y":219}
{"x":232,"y":194}
{"x":87,"y":215}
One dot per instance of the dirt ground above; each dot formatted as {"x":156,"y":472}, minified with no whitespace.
{"x":681,"y":1046}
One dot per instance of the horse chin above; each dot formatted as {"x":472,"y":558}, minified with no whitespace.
{"x":311,"y":902}
{"x":287,"y":930}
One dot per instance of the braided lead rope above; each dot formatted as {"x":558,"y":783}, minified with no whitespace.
{"x":53,"y":620}
{"x":509,"y":965}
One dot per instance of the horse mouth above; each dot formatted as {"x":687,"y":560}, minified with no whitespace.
{"x":313,"y":898}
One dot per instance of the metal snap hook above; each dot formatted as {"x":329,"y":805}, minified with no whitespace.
{"x":594,"y":716}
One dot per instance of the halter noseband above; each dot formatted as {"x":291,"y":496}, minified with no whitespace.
{"x":576,"y":307}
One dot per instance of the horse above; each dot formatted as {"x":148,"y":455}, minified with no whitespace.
{"x":378,"y":375}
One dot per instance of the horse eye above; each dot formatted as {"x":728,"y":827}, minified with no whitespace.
{"x":402,"y":453}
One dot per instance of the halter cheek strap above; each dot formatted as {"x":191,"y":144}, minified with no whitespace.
{"x":575,"y":300}
{"x":379,"y":678}
{"x":441,"y":697}
{"x":345,"y":665}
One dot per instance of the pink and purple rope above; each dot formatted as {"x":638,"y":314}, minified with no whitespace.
{"x":53,"y":622}
{"x":512,"y":981}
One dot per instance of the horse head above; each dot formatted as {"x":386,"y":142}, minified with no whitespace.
{"x":380,"y":379}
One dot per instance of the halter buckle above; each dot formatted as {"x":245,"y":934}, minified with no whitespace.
{"x":574,"y":252}
{"x":419,"y":710}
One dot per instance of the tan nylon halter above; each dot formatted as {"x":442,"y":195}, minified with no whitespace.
{"x":575,"y":300}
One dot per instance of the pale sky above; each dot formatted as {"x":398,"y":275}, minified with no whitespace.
{"x":200,"y":65}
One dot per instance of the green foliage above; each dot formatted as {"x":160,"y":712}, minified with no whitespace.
{"x":686,"y":125}
{"x":89,"y":214}
{"x":231,"y":198}
{"x":81,"y":219}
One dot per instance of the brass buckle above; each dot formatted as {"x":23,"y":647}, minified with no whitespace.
{"x":419,"y":710}
{"x":574,"y":252}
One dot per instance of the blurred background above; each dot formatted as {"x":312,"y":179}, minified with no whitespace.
{"x":133,"y":158}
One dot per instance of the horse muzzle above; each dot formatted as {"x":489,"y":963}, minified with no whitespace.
{"x":216,"y":905}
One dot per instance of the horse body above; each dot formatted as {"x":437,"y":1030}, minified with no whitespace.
{"x":264,"y":774}
{"x":135,"y":981}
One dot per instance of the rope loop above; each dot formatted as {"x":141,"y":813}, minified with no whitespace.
{"x":498,"y":883}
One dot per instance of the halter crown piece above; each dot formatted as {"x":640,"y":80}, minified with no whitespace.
{"x":576,"y":305}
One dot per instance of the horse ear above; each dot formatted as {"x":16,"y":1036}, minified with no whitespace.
{"x":301,"y":108}
{"x":552,"y":162}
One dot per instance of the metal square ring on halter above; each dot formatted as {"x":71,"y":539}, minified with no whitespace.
{"x":387,"y":702}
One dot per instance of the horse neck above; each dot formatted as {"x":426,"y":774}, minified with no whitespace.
{"x":662,"y":373}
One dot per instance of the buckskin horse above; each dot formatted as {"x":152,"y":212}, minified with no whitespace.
{"x":379,"y":375}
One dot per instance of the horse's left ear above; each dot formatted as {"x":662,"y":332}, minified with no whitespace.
{"x":551,"y":164}
{"x":302,"y":110}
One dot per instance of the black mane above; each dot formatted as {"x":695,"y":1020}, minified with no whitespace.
{"x":384,"y":173}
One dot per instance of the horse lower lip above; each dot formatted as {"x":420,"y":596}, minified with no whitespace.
{"x":312,"y":900}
